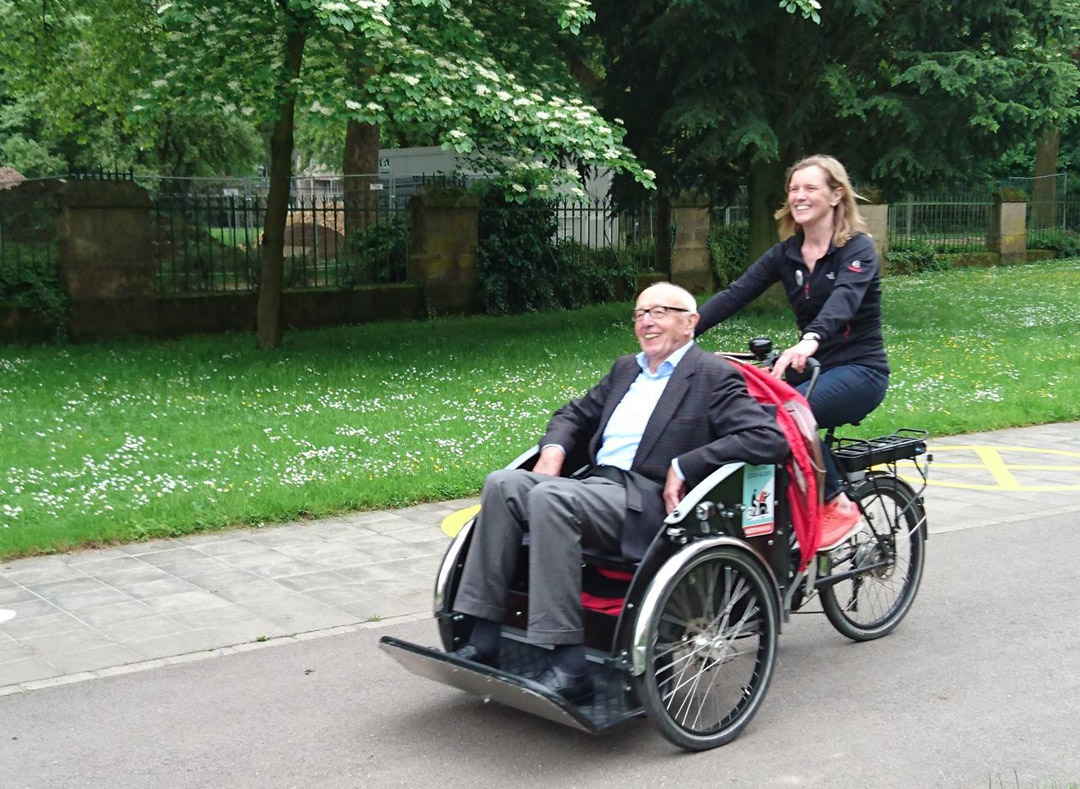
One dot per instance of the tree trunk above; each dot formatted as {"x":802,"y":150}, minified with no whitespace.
{"x":272,"y":251}
{"x":1044,"y":195}
{"x":361,"y":168}
{"x":765,"y":195}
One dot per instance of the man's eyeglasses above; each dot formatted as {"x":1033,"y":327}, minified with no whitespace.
{"x":655,"y":312}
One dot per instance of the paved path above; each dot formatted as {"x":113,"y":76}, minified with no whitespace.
{"x":95,"y":613}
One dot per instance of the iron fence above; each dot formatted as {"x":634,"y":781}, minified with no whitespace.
{"x":581,"y":231}
{"x":951,"y":223}
{"x":206,"y":233}
{"x":211,"y":243}
{"x":723,"y":215}
{"x":28,"y":232}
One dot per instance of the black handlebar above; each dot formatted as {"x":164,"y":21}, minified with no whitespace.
{"x":762,"y":349}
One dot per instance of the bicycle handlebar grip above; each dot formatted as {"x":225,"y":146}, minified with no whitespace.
{"x":815,"y":371}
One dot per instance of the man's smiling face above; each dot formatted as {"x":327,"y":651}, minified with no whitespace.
{"x":660,"y":336}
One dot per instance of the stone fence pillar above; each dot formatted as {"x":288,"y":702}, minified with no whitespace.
{"x":105,"y":258}
{"x":690,"y":252}
{"x":877,"y":220}
{"x":444,"y":241}
{"x":1008,"y":232}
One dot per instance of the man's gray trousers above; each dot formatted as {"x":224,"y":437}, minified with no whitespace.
{"x":561,"y":515}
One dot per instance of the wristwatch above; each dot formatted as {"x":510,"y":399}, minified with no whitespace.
{"x":812,"y":335}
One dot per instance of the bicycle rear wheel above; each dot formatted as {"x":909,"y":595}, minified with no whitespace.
{"x":892,"y":548}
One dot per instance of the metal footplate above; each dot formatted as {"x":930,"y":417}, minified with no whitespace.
{"x":609,"y":708}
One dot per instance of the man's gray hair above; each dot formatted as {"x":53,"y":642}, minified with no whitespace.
{"x":682,"y":295}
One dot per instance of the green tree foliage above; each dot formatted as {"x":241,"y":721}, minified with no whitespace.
{"x":906,"y":94}
{"x":66,"y":93}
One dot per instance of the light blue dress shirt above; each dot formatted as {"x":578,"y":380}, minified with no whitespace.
{"x":624,"y":430}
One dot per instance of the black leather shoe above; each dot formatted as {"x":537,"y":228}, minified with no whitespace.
{"x":576,"y":690}
{"x":470,"y":652}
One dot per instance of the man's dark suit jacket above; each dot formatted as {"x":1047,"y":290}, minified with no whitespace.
{"x":705,"y":418}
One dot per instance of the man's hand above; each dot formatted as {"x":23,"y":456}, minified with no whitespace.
{"x":550,"y":461}
{"x":674,"y":490}
{"x":795,"y":357}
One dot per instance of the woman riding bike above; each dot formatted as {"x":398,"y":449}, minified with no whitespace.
{"x":829,"y":268}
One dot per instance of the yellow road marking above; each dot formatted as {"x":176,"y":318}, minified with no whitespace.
{"x":1032,"y":450}
{"x":999,"y":469}
{"x":455,"y":521}
{"x":1020,"y":466}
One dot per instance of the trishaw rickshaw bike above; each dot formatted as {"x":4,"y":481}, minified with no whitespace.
{"x":688,"y":636}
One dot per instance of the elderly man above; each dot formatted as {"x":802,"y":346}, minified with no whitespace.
{"x":657,"y":424}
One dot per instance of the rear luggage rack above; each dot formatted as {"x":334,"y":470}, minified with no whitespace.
{"x":856,"y":454}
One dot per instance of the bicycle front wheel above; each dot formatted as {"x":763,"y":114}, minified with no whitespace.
{"x":891,"y":547}
{"x":712,"y":649}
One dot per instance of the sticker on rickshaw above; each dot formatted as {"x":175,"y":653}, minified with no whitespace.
{"x":758,"y":500}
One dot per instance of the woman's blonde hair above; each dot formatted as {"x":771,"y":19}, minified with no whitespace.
{"x":847,"y":221}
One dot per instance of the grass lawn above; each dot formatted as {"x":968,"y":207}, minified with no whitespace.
{"x":129,"y":440}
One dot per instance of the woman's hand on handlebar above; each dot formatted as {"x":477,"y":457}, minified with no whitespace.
{"x":795,"y":357}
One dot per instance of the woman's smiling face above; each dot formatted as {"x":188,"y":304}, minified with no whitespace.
{"x":809,"y":196}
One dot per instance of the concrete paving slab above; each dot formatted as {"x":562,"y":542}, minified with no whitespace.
{"x":364,"y":604}
{"x":178,"y":644}
{"x":299,"y":613}
{"x":184,"y":560}
{"x":241,"y":592}
{"x":51,"y":570}
{"x":93,"y":659}
{"x":12,"y":650}
{"x":27,"y":670}
{"x":218,"y":617}
{"x":60,"y":622}
{"x":145,"y":627}
{"x":272,"y":565}
{"x":15,"y":594}
{"x":321,"y":579}
{"x":225,"y":548}
{"x":80,"y":640}
{"x":185,"y":601}
{"x":126,"y":611}
{"x":91,"y":560}
{"x":231,"y":576}
{"x":142,"y":587}
{"x":34,"y":607}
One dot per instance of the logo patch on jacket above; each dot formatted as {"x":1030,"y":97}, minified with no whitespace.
{"x":856,"y":266}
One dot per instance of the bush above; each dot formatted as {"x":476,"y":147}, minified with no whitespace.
{"x":34,"y":284}
{"x":639,"y":255}
{"x":595,"y":275}
{"x":523,"y":267}
{"x":729,"y":248}
{"x":1063,"y":243}
{"x":379,"y":254}
{"x":914,"y":256}
{"x":516,"y":258}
